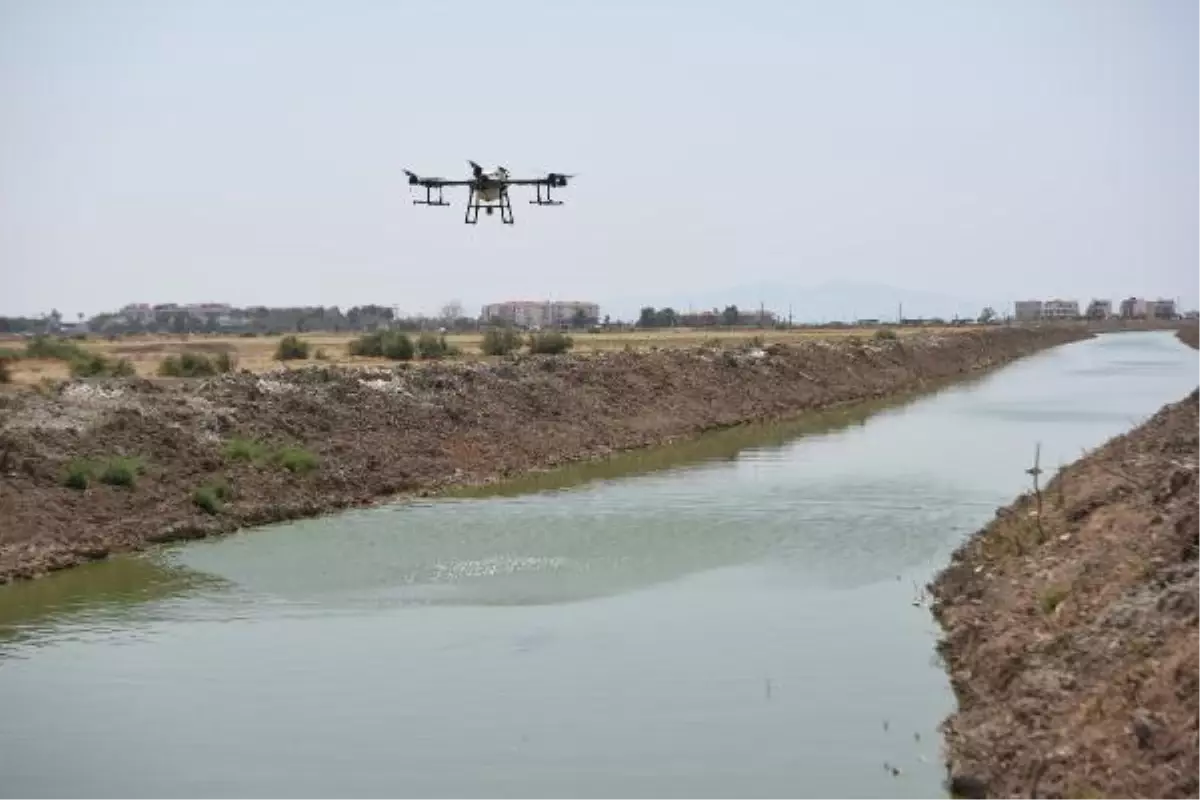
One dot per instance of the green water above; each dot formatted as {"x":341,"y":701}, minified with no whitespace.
{"x":730,"y":616}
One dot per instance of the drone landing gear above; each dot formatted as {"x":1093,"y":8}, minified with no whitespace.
{"x":429,"y":201}
{"x":546,"y":201}
{"x":474,"y":204}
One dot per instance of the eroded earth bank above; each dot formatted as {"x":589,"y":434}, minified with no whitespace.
{"x":1071,"y":635}
{"x":102,"y":466}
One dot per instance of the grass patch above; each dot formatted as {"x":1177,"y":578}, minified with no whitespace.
{"x":212,"y":497}
{"x":1052,"y":598}
{"x":113,"y":471}
{"x":78,"y":474}
{"x":49,"y":347}
{"x":885,"y":334}
{"x":121,"y":471}
{"x":550,"y":342}
{"x":500,"y":342}
{"x":241,"y":449}
{"x":296,"y":460}
{"x":291,"y":347}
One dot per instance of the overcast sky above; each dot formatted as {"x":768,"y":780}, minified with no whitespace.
{"x":251,"y":152}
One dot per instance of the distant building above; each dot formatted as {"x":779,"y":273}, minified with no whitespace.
{"x":541,"y":313}
{"x":1099,"y":309}
{"x":1160,"y":309}
{"x":1133,"y":308}
{"x":1060,"y":309}
{"x":1027,"y":310}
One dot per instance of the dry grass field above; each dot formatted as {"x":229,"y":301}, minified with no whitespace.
{"x":257,"y":353}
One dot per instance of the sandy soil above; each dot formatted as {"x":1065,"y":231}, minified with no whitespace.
{"x":1071,"y":635}
{"x":405,"y":429}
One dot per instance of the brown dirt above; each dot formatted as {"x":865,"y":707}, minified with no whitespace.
{"x":387,"y":431}
{"x":1072,"y":644}
{"x":1189,"y":334}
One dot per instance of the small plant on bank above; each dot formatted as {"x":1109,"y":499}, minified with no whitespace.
{"x":1052,"y":598}
{"x":240,"y":449}
{"x":550,"y":343}
{"x":211,"y":497}
{"x":296,"y":460}
{"x":291,"y":347}
{"x":500,"y":342}
{"x":78,"y":474}
{"x":885,"y":333}
{"x":121,"y":471}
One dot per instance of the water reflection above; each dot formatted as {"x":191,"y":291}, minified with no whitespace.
{"x":99,"y":595}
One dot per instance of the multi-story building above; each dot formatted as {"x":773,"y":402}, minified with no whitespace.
{"x":1060,"y":309}
{"x":1133,"y":308}
{"x":1027,"y":310}
{"x":541,"y":313}
{"x":1160,"y":309}
{"x":1099,"y":309}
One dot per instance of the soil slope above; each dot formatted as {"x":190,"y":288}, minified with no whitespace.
{"x":378,"y":433}
{"x":1072,"y":642}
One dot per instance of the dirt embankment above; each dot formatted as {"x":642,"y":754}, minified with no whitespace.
{"x":378,"y":433}
{"x":1071,"y":636}
{"x":1189,"y":335}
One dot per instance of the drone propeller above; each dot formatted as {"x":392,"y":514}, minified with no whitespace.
{"x":475,"y":168}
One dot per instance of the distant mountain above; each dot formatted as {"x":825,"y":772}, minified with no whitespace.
{"x":826,"y":302}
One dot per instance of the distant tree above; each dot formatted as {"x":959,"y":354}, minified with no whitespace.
{"x":607,"y":321}
{"x":648,"y":318}
{"x":987,"y":315}
{"x":730,"y":316}
{"x":579,"y":319}
{"x":667,"y":317}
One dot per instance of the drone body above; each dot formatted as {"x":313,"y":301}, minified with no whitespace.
{"x":488,"y":191}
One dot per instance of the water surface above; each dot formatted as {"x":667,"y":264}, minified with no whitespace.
{"x":737,"y":621}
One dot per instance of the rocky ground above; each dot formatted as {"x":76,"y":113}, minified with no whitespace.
{"x":1071,"y":635}
{"x":209,"y":456}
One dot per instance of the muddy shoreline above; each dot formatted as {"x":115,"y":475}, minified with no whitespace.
{"x":373,"y":435}
{"x":1070,"y":635}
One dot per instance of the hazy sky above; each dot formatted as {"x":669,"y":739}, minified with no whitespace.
{"x":251,"y":152}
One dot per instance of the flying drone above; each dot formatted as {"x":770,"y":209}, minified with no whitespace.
{"x":488,"y":191}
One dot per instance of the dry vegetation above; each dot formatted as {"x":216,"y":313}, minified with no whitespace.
{"x":258,"y":353}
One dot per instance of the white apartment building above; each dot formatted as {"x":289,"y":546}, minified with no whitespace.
{"x":1100,"y":309}
{"x":539,"y":313}
{"x":1060,"y":309}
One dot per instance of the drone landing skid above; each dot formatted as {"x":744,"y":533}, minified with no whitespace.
{"x":544,"y":201}
{"x":429,"y":201}
{"x":474,"y":204}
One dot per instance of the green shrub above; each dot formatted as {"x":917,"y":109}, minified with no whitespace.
{"x":296,"y":459}
{"x":120,"y":471}
{"x":500,"y":341}
{"x":225,"y":361}
{"x":196,"y":365}
{"x":432,"y":346}
{"x":5,"y":370}
{"x":395,"y":345}
{"x":206,"y":498}
{"x":239,"y":449}
{"x":550,"y":342}
{"x":885,"y":333}
{"x":78,"y":474}
{"x":291,"y":347}
{"x":211,"y":497}
{"x":321,"y":355}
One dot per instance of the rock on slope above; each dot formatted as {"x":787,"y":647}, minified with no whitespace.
{"x":1071,"y":638}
